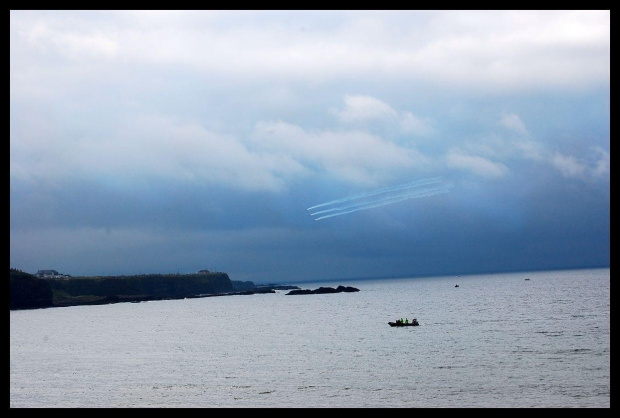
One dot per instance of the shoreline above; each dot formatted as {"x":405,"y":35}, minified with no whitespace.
{"x":108,"y":300}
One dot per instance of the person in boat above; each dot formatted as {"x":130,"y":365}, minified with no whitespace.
{"x":406,"y":320}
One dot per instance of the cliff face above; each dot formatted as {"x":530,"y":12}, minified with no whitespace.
{"x":156,"y":285}
{"x":28,"y":291}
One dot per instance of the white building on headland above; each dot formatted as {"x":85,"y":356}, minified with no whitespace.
{"x":50,"y":274}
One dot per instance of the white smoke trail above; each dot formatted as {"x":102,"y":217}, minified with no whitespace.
{"x":381,"y":191}
{"x":394,"y":199}
{"x":406,"y":192}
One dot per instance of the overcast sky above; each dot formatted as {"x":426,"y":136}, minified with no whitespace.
{"x":175,"y":141}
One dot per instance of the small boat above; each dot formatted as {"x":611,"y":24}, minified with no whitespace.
{"x":413,"y":323}
{"x":456,"y":285}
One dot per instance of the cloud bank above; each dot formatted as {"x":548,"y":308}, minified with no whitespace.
{"x":153,"y":139}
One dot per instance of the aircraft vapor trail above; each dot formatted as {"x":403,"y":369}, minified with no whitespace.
{"x":400,"y":198}
{"x":406,"y":192}
{"x":381,"y":191}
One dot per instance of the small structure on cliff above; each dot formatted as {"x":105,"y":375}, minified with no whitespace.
{"x":50,"y":274}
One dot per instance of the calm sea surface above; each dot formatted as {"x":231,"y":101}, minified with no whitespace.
{"x":495,"y":341}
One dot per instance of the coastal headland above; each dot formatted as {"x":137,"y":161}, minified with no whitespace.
{"x":30,"y":291}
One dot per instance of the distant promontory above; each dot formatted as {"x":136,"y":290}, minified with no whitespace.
{"x":49,"y":288}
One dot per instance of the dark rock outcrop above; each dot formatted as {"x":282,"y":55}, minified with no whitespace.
{"x":323,"y":290}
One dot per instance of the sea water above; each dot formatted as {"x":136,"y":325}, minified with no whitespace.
{"x":534,"y":339}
